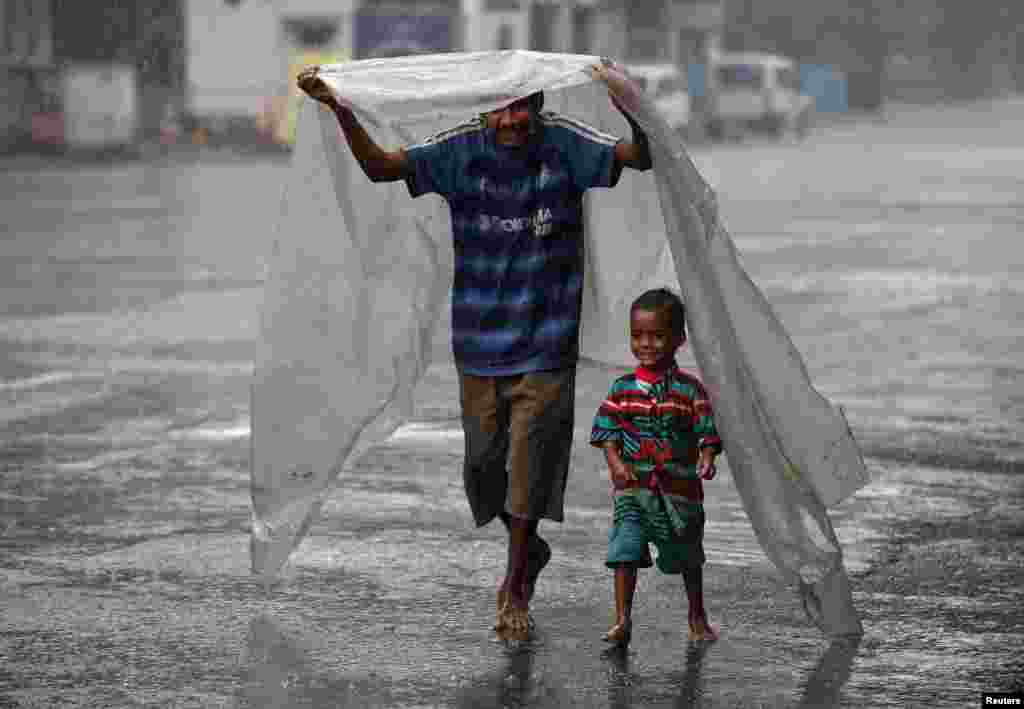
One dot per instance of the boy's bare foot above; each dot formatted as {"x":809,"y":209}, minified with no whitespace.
{"x":619,"y":634}
{"x":701,"y":629}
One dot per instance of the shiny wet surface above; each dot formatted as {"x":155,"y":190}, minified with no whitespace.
{"x":130,"y":300}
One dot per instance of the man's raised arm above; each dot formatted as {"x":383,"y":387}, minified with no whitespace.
{"x":636,"y":153}
{"x":379,"y":165}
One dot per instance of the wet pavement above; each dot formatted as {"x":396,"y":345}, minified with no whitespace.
{"x":130,"y":297}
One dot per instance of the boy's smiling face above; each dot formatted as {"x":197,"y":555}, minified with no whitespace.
{"x":651,"y":338}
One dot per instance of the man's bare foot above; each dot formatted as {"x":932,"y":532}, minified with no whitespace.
{"x":513,"y":621}
{"x":619,"y":634}
{"x":516,"y":623}
{"x":701,"y":629}
{"x":502,"y":606}
{"x":538,"y":558}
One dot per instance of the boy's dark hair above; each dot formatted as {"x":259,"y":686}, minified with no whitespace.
{"x":662,"y":298}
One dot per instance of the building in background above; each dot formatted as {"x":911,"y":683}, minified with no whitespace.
{"x":109,"y":71}
{"x":390,"y":28}
{"x":226,"y":85}
{"x":29,"y":82}
{"x":94,"y":75}
{"x":224,"y":69}
{"x":123,"y":68}
{"x":915,"y":50}
{"x":679,"y":32}
{"x":243,"y":55}
{"x":683,"y":33}
{"x":940,"y":49}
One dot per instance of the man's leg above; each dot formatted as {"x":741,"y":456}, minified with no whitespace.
{"x":485,"y":426}
{"x":485,"y":473}
{"x":540,"y":439}
{"x":538,"y":554}
{"x":523,"y":541}
{"x":520,"y":532}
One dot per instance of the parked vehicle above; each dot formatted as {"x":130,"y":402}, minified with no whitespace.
{"x":757,"y":92}
{"x":666,"y":84}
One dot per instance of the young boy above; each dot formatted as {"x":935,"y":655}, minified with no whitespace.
{"x":660,"y":441}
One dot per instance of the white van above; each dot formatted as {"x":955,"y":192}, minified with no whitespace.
{"x":751,"y":91}
{"x":667,"y":86}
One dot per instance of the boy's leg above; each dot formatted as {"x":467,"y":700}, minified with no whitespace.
{"x":700,"y":628}
{"x":683,"y":553}
{"x":628,"y":551}
{"x":625,"y":588}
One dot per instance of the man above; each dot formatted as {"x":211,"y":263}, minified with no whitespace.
{"x":514,"y":180}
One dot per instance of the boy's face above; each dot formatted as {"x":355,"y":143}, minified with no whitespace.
{"x":511,"y":124}
{"x":651,"y":338}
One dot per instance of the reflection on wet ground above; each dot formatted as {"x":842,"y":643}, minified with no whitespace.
{"x":126,"y":583}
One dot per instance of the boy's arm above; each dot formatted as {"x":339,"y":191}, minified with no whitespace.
{"x":706,"y":467}
{"x":379,"y":165}
{"x":618,"y":471}
{"x":709,"y":443}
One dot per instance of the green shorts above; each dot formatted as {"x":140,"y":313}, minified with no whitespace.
{"x":635,"y":528}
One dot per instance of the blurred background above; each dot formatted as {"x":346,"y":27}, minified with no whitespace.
{"x":143,"y":149}
{"x":107,"y":75}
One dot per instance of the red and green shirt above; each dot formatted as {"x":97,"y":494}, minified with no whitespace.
{"x":660,"y":423}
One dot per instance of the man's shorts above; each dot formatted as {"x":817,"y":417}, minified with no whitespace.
{"x":518,"y":433}
{"x":635,"y":529}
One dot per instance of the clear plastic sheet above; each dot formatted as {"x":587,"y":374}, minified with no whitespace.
{"x":356,"y":298}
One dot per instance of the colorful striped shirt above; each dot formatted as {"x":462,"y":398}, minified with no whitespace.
{"x":660,"y":423}
{"x":517,"y":224}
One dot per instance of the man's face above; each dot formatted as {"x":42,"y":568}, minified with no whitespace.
{"x":511,"y":124}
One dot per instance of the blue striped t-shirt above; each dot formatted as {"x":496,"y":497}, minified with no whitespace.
{"x":517,"y":223}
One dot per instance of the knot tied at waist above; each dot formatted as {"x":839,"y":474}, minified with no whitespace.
{"x":660,"y":482}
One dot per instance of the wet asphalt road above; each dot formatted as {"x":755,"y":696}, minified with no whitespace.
{"x":130,"y":297}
